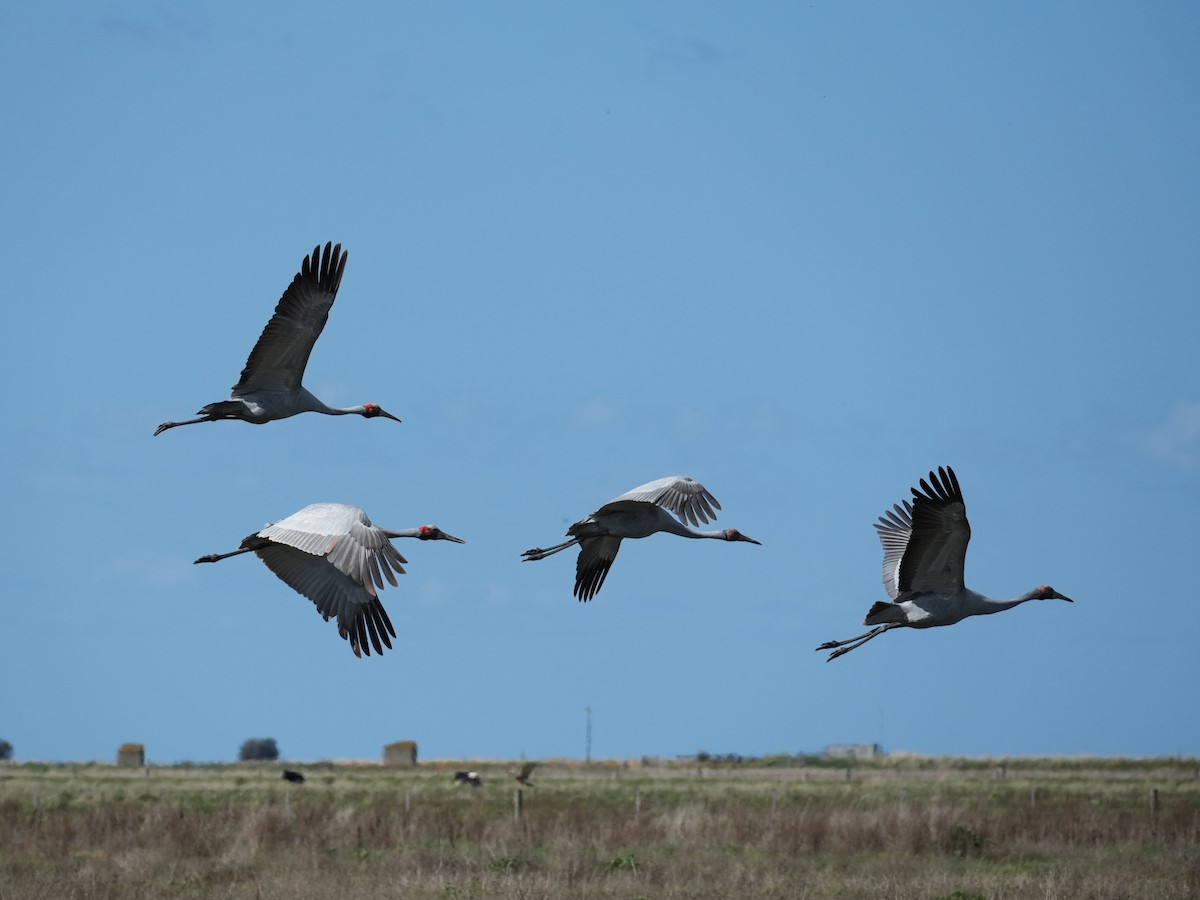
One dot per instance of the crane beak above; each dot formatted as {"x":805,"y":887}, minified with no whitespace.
{"x":388,"y":415}
{"x":748,"y":540}
{"x":1058,"y":596}
{"x":450,"y":537}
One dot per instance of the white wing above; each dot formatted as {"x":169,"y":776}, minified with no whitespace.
{"x":332,"y":554}
{"x":895,"y":528}
{"x":685,"y":497}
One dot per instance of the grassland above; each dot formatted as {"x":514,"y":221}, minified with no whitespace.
{"x":893,"y":828}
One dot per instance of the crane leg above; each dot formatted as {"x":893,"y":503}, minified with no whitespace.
{"x":539,"y":553}
{"x":217,"y":557}
{"x":855,"y":642}
{"x":165,"y":425}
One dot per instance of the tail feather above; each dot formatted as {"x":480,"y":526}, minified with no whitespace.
{"x":881,"y":613}
{"x":222,"y":409}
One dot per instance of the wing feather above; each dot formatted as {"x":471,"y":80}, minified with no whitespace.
{"x":937,"y":547}
{"x":278,"y":360}
{"x":332,"y":554}
{"x":596,"y":555}
{"x":895,"y":528}
{"x":334,"y":594}
{"x":687,"y":498}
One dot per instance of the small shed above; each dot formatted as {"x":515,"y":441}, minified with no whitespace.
{"x":131,"y":756}
{"x":854,"y":751}
{"x":401,"y":754}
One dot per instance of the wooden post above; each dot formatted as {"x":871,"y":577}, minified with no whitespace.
{"x":407,"y":800}
{"x":1154,"y":801}
{"x":518,"y":804}
{"x":849,"y":774}
{"x":1032,"y":797}
{"x":637,"y":803}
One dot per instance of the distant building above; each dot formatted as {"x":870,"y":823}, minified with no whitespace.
{"x":854,"y":751}
{"x":402,"y":754}
{"x":132,"y":756}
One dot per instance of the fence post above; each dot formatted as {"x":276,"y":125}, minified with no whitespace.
{"x":637,"y":803}
{"x":518,"y":804}
{"x":1154,"y":801}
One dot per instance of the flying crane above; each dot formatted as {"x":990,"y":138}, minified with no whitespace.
{"x":639,"y":513}
{"x":924,"y":547}
{"x":334,"y":556}
{"x":270,"y":387}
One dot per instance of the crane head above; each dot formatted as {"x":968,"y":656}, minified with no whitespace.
{"x":433,"y":533}
{"x":371,"y":411}
{"x":1045,"y":592}
{"x":732,"y":534}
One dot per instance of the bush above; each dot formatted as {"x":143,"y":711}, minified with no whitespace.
{"x":258,"y":748}
{"x":5,"y":750}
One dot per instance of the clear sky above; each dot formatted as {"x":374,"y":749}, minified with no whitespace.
{"x":802,"y":252}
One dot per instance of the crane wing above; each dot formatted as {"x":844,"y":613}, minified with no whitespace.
{"x":685,"y":497}
{"x":278,"y":360}
{"x":895,"y":528}
{"x":360,"y":615}
{"x":596,"y":555}
{"x":332,"y":554}
{"x":344,"y":535}
{"x":933,"y":558}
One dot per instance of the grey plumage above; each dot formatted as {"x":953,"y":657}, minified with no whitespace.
{"x":270,"y":385}
{"x":334,"y":556}
{"x":924,"y":551}
{"x":638,"y":513}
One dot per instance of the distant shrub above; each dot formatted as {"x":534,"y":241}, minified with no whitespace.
{"x":5,"y":750}
{"x":965,"y":842}
{"x":258,"y":748}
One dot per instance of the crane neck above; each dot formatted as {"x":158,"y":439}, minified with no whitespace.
{"x":684,"y":531}
{"x":989,"y":605}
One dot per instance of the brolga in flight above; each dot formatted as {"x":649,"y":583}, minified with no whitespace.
{"x":924,"y":546}
{"x":639,"y":513}
{"x":334,"y":556}
{"x":270,"y":385}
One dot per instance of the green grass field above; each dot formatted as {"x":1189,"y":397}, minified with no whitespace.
{"x":896,"y":827}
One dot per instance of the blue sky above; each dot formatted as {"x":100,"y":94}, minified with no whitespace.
{"x":801,"y":252}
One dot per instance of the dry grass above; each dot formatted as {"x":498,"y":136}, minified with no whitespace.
{"x":940,"y":830}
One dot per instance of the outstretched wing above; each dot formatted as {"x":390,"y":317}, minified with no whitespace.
{"x":895,"y":528}
{"x":685,"y":497}
{"x":278,"y":360}
{"x":596,"y":555}
{"x":933,"y":559}
{"x":360,"y":615}
{"x":332,"y":554}
{"x":345,"y":536}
